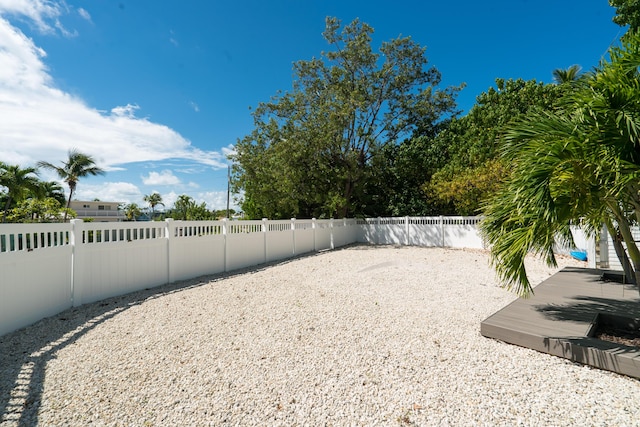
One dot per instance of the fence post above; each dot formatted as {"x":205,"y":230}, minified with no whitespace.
{"x":169,"y":228}
{"x":75,"y":237}
{"x":331,"y":233}
{"x":264,"y":233}
{"x":441,"y":231}
{"x":293,"y":235}
{"x":225,"y":231}
{"x":314,"y":228}
{"x":406,"y":230}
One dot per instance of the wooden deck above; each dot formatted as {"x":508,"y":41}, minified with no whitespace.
{"x":559,"y":318}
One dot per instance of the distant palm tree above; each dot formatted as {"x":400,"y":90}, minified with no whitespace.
{"x":154,"y":199}
{"x":132,"y":211}
{"x":19,"y":183}
{"x":569,"y":75}
{"x":77,"y":166}
{"x":182,"y":206}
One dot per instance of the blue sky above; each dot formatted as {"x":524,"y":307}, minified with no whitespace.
{"x":158,"y":91}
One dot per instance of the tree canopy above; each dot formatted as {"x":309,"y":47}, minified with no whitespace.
{"x":627,"y":13}
{"x":312,"y":149}
{"x":19,"y":182}
{"x":472,"y":169}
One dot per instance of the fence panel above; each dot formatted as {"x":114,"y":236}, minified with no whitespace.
{"x":425,"y":231}
{"x":324,"y":228}
{"x":245,"y":245}
{"x":279,"y":240}
{"x":35,"y":273}
{"x":196,"y":248}
{"x":304,"y":241}
{"x":344,"y":232}
{"x":462,"y":232}
{"x":117,"y":258}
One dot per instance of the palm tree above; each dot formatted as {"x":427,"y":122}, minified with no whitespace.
{"x":19,"y":183}
{"x":132,"y":211}
{"x":154,"y":199}
{"x":182,"y":206}
{"x":580,"y":164}
{"x":569,"y":75}
{"x":51,"y":189}
{"x":78,"y":165}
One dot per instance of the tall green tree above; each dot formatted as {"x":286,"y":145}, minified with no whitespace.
{"x":398,"y":186}
{"x":627,"y":13}
{"x":154,"y":199}
{"x":78,"y":165}
{"x":312,"y":148}
{"x":19,"y":183}
{"x":472,"y":168}
{"x":577,"y":164}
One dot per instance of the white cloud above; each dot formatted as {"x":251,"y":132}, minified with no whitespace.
{"x":215,"y":199}
{"x":194,"y":106}
{"x":40,"y":12}
{"x":124,"y":192}
{"x":169,"y":199}
{"x":128,"y":111}
{"x":84,"y":14}
{"x":166,"y":177}
{"x":41,"y":122}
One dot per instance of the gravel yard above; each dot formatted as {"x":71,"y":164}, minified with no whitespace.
{"x":359,"y":336}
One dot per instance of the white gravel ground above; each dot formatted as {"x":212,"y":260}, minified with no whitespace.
{"x":360,"y":336}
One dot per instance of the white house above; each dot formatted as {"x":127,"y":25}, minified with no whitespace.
{"x":98,"y":210}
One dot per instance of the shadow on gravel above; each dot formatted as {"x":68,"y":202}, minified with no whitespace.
{"x":24,"y":354}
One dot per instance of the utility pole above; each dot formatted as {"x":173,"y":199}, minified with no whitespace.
{"x":228,"y":188}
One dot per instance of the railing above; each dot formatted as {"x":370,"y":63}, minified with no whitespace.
{"x":99,"y":213}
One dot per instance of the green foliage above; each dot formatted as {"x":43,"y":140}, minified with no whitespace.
{"x":19,"y":183}
{"x":578,"y":163}
{"x":50,"y":189}
{"x":186,"y":209}
{"x":132,"y":211}
{"x":567,"y":76}
{"x":312,"y":151}
{"x":77,"y":165}
{"x":627,"y":13}
{"x":473,"y":142}
{"x":470,"y":188}
{"x":39,"y":210}
{"x":401,"y":172}
{"x":154,"y":199}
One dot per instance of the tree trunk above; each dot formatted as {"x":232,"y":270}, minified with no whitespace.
{"x":68,"y":204}
{"x":629,"y":272}
{"x":6,"y":208}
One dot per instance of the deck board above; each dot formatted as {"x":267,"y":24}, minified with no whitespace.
{"x":557,"y":319}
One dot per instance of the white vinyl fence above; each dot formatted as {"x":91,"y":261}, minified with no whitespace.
{"x":440,"y":231}
{"x":48,"y":268}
